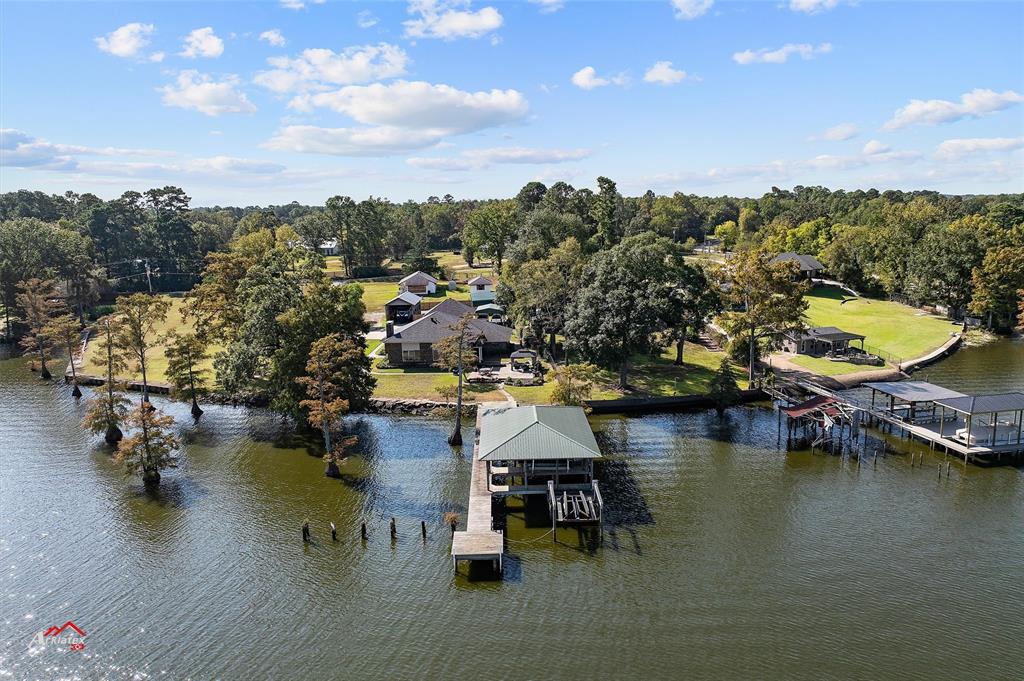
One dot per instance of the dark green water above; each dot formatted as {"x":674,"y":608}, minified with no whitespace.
{"x":725,"y":558}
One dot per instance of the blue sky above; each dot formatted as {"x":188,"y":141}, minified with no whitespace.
{"x":254,"y":103}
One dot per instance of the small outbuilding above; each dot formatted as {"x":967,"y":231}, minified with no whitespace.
{"x":821,"y":340}
{"x":403,"y":308}
{"x":419,"y":283}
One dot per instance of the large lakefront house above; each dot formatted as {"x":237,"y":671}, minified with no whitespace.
{"x":413,"y":345}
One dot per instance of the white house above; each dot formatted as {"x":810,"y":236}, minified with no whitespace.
{"x":481,"y":290}
{"x":328,"y":248}
{"x":419,"y":283}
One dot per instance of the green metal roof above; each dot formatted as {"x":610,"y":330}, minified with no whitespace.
{"x":536,"y":433}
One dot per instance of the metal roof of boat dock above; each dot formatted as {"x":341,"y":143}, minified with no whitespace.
{"x":914,"y":391}
{"x":985,"y":404}
{"x":536,"y":433}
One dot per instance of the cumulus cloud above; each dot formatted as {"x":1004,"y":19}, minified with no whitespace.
{"x":366,"y":19}
{"x":686,"y":10}
{"x":812,"y":6}
{"x":874,"y":147}
{"x":450,"y":19}
{"x":19,"y":149}
{"x":956,"y":149}
{"x":798,"y":170}
{"x":202,"y":42}
{"x":316,"y":69}
{"x":548,"y":6}
{"x":480,"y":159}
{"x":128,"y":41}
{"x":782,"y":54}
{"x":663,"y":74}
{"x":837,"y":133}
{"x":587,"y":79}
{"x":974,"y":104}
{"x":420,"y":105}
{"x":299,"y":4}
{"x":400,"y":116}
{"x":373,"y":141}
{"x":274,"y":37}
{"x":199,"y":91}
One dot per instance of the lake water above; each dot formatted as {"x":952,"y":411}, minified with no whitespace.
{"x":724,"y":557}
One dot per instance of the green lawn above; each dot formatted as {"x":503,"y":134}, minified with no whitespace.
{"x":371,"y":345}
{"x":422,"y":384}
{"x":657,"y":377}
{"x":95,"y":362}
{"x":899,"y":330}
{"x":820,"y":365}
{"x":376,"y":293}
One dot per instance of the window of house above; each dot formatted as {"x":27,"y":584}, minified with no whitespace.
{"x":411,"y":353}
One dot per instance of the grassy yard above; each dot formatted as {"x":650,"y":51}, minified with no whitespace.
{"x":899,"y":330}
{"x":422,"y":384}
{"x":156,"y":365}
{"x":376,"y":293}
{"x":657,"y":377}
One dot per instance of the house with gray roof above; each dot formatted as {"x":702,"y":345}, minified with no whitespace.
{"x":413,"y":345}
{"x":419,"y":283}
{"x":809,"y":266}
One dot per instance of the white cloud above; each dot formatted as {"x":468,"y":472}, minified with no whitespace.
{"x":315,"y":68}
{"x":874,"y":147}
{"x":274,"y":37}
{"x":691,"y":9}
{"x":421,"y":105}
{"x":837,"y":133}
{"x":156,"y":57}
{"x":812,"y":6}
{"x":127,"y":41}
{"x":781,"y":55}
{"x":400,"y":116}
{"x":973,"y":104}
{"x":799,"y":170}
{"x":587,"y":79}
{"x":955,"y":149}
{"x":202,"y":42}
{"x":19,"y":149}
{"x":548,"y":6}
{"x":366,"y":19}
{"x":293,"y":4}
{"x":663,"y":74}
{"x":374,"y":141}
{"x":450,"y":19}
{"x":480,"y":159}
{"x":194,"y":90}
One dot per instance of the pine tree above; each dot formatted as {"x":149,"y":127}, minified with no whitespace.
{"x":724,"y":390}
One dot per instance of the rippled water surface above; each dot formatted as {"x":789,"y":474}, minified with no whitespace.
{"x":724,"y":556}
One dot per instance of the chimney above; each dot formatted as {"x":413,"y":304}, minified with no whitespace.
{"x":389,"y":329}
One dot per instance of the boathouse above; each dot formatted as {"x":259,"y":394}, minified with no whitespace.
{"x":992,"y":421}
{"x":525,"y":451}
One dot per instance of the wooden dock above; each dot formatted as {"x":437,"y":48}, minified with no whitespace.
{"x":930,"y":433}
{"x":479,"y":541}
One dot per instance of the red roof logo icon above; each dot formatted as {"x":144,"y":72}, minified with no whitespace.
{"x":57,"y":631}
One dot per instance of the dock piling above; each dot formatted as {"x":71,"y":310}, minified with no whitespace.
{"x":305,"y":532}
{"x":334,"y":532}
{"x":362,"y":531}
{"x":394,"y":530}
{"x":423,"y":529}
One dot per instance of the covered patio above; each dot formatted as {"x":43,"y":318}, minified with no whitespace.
{"x":992,"y":421}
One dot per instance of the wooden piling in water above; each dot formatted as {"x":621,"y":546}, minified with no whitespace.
{"x":394,"y":530}
{"x":362,"y":531}
{"x":423,"y":529}
{"x":305,"y":531}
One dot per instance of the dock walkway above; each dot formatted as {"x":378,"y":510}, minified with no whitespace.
{"x":479,"y":541}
